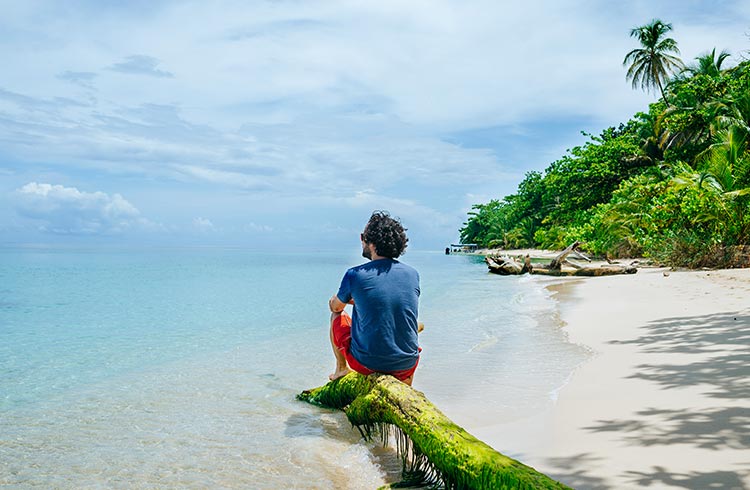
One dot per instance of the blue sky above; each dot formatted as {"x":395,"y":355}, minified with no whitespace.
{"x":286,"y":123}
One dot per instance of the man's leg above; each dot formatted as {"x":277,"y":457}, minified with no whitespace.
{"x":407,"y":375}
{"x":342,"y":369}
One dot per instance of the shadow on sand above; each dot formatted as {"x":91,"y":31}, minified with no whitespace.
{"x":659,"y":477}
{"x":574,"y":472}
{"x":716,"y":357}
{"x":723,"y":337}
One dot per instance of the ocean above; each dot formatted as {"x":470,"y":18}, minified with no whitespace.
{"x":178,"y":368}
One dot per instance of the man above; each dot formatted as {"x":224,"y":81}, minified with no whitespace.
{"x":381,"y":334}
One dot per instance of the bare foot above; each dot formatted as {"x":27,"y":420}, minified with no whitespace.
{"x":339,"y":374}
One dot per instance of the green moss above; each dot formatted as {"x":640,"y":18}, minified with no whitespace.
{"x":433,"y":448}
{"x":338,"y":393}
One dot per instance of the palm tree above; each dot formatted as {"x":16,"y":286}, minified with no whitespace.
{"x":725,"y":174}
{"x":727,"y":166}
{"x":696,"y":116}
{"x":734,"y":112}
{"x":651,"y":64}
{"x":700,"y":114}
{"x":709,"y":64}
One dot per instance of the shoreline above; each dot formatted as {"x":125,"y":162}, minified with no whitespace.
{"x":664,"y":400}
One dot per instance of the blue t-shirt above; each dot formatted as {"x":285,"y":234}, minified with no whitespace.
{"x":384,"y":322}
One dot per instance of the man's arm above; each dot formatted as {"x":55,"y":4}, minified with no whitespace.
{"x":336,"y":305}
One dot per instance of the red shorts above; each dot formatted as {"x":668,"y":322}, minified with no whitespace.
{"x":342,"y":337}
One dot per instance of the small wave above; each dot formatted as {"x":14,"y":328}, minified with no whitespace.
{"x":489,"y":342}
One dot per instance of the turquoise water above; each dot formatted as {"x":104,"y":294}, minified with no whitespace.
{"x":178,"y":368}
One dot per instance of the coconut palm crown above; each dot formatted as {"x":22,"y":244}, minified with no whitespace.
{"x":651,"y":65}
{"x":708,"y":63}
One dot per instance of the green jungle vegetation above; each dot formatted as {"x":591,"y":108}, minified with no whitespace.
{"x":672,"y":183}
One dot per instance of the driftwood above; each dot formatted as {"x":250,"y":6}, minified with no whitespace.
{"x":556,"y":263}
{"x":588,"y":271}
{"x":433,"y":448}
{"x":503,"y":266}
{"x":509,"y":266}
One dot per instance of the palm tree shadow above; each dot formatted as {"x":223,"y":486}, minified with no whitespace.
{"x":719,"y":480}
{"x":723,"y":337}
{"x":715,"y":429}
{"x":574,"y":472}
{"x":714,"y":355}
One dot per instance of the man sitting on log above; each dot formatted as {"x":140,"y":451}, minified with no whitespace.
{"x":381,"y":334}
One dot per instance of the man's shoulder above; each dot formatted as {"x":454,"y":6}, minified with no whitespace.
{"x":405,"y":266}
{"x":401,"y":265}
{"x":357,"y":268}
{"x":380,"y":266}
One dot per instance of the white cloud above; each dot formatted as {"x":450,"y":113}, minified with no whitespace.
{"x":286,"y":102}
{"x":83,"y":79}
{"x":66,"y":210}
{"x":222,"y":177}
{"x":452,"y":64}
{"x":258,"y":228}
{"x":203,"y":224}
{"x":141,"y":65}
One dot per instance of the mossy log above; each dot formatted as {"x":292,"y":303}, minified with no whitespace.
{"x":433,"y":447}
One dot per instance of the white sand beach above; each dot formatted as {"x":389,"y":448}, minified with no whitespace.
{"x":664,"y":401}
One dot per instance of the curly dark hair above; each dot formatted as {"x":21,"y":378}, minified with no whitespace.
{"x":387,"y":234}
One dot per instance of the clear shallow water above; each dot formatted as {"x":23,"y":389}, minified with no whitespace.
{"x":178,"y":368}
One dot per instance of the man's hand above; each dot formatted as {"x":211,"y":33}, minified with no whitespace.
{"x":336,"y":305}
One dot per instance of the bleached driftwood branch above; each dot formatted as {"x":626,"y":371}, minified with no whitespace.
{"x":508,"y":266}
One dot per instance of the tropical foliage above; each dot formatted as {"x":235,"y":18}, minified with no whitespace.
{"x":672,"y":183}
{"x":652,"y":64}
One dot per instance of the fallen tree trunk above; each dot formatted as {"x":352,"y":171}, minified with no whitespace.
{"x":509,"y":266}
{"x":434,"y":449}
{"x":587,"y":271}
{"x":556,"y":263}
{"x":505,"y":267}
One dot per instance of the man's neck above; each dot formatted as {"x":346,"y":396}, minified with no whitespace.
{"x":373,"y":254}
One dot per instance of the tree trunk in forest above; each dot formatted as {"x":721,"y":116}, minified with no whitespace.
{"x":434,"y":449}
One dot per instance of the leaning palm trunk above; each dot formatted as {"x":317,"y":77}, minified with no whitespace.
{"x":435,"y":451}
